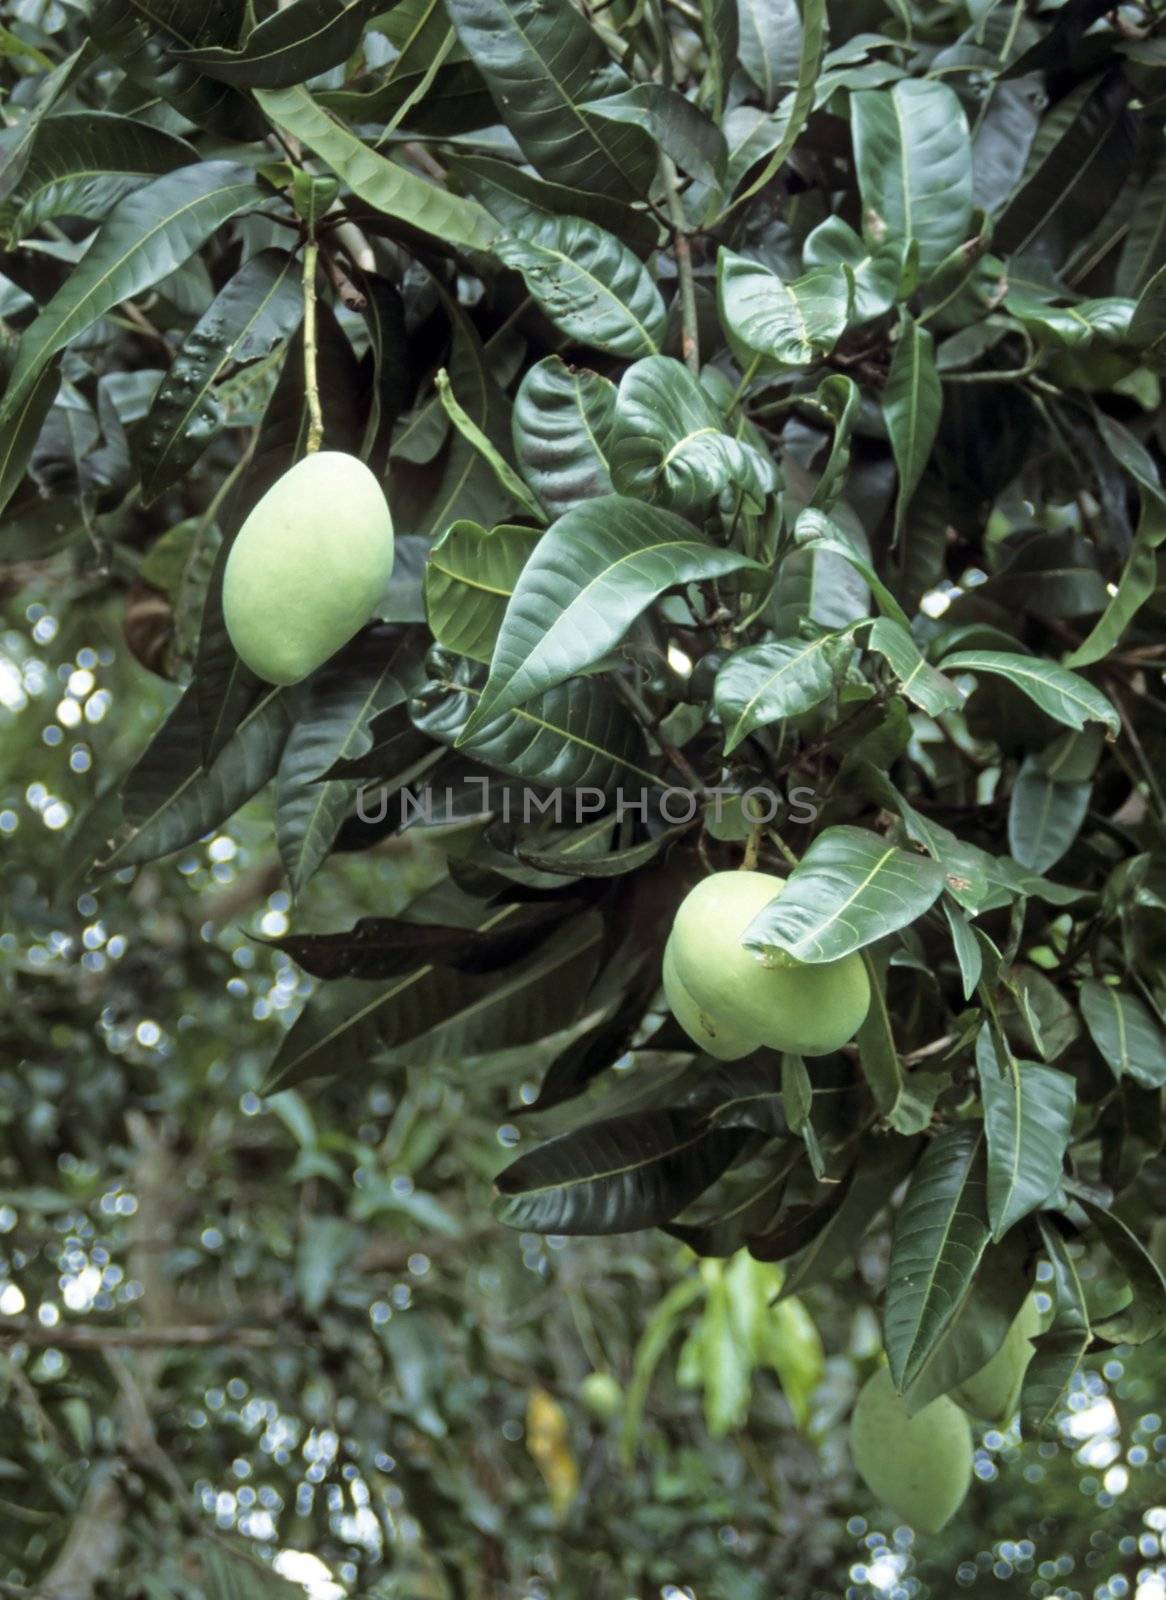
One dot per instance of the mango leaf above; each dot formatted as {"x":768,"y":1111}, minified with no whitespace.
{"x":881,"y":276}
{"x":913,"y":155}
{"x":770,"y":44}
{"x":1144,"y":1316}
{"x":296,"y":42}
{"x":614,"y":1177}
{"x":981,"y":1325}
{"x":766,"y":682}
{"x":1139,"y":576}
{"x":1126,"y":1033}
{"x":918,"y":680}
{"x":365,"y":680}
{"x":347,"y":1022}
{"x":591,"y":286}
{"x":1144,"y":251}
{"x":382,"y":184}
{"x":788,"y":323}
{"x":1148,"y":327}
{"x":562,"y":417}
{"x":593,"y":573}
{"x":543,"y":63}
{"x":470,"y":574}
{"x":1028,"y":1120}
{"x":798,"y":106}
{"x":147,"y":235}
{"x":256,"y":310}
{"x":850,"y":888}
{"x":574,"y":735}
{"x":1044,"y":815}
{"x":1070,"y":699}
{"x":170,"y":799}
{"x":912,"y":401}
{"x":511,"y":483}
{"x":386,"y":947}
{"x":18,"y":439}
{"x":81,"y":163}
{"x":879,"y":1169}
{"x":1058,"y":1351}
{"x":815,"y":532}
{"x":665,"y":443}
{"x":968,"y":950}
{"x":514,"y":196}
{"x":940,"y":1235}
{"x":877,"y":1052}
{"x":468,"y":487}
{"x":689,"y":136}
{"x":1077,"y":167}
{"x":18,"y":145}
{"x":840,"y":398}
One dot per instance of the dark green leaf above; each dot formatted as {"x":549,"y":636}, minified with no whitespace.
{"x":1070,"y":699}
{"x":562,"y":419}
{"x":593,"y":572}
{"x":614,"y":1177}
{"x":1126,"y":1032}
{"x":767,"y":682}
{"x":543,"y":63}
{"x":255,"y":311}
{"x":912,"y":401}
{"x":850,"y":888}
{"x":298,"y":41}
{"x":792,"y":324}
{"x":470,"y":575}
{"x":1028,"y":1120}
{"x":940,"y":1236}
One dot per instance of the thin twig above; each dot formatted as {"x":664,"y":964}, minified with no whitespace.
{"x":311,"y":380}
{"x":76,"y":1336}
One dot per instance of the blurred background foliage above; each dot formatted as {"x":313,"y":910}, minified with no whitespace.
{"x":340,"y":1368}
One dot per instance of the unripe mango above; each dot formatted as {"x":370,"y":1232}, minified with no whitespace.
{"x":919,"y":1466}
{"x":308,"y":566}
{"x":805,"y":1008}
{"x":993,"y":1393}
{"x":601,"y":1393}
{"x":724,"y":1042}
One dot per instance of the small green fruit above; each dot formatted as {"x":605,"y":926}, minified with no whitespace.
{"x":726,"y":1043}
{"x":806,"y":1009}
{"x":993,"y":1393}
{"x":919,"y":1466}
{"x":602,"y":1395}
{"x":308,"y":566}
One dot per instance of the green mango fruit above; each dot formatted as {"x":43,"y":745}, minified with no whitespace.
{"x":993,"y":1393}
{"x":602,"y":1395}
{"x":919,"y":1466}
{"x":308,"y":566}
{"x":720,"y":989}
{"x":726,"y":1043}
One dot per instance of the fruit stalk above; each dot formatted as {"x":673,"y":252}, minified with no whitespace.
{"x":311,"y":382}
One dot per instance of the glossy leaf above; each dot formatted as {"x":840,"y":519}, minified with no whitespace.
{"x":592,"y":287}
{"x":256,"y":310}
{"x":593,"y":573}
{"x":81,"y":163}
{"x":940,"y":1235}
{"x":543,"y":63}
{"x":1125,"y":1031}
{"x":1028,"y":1120}
{"x":1058,"y":1351}
{"x":918,"y":680}
{"x":1144,"y":1316}
{"x":148,"y":234}
{"x":1064,"y":695}
{"x":348,"y":1022}
{"x":614,"y":1177}
{"x":1044,"y":816}
{"x":914,"y":160}
{"x":665,"y":443}
{"x":692,"y":140}
{"x":788,"y":323}
{"x":766,"y":682}
{"x":574,"y":735}
{"x":382,"y":184}
{"x":770,"y":44}
{"x":912,"y":400}
{"x":512,"y":485}
{"x":298,"y":41}
{"x":562,"y":420}
{"x":850,"y":888}
{"x":470,"y":574}
{"x":801,"y":102}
